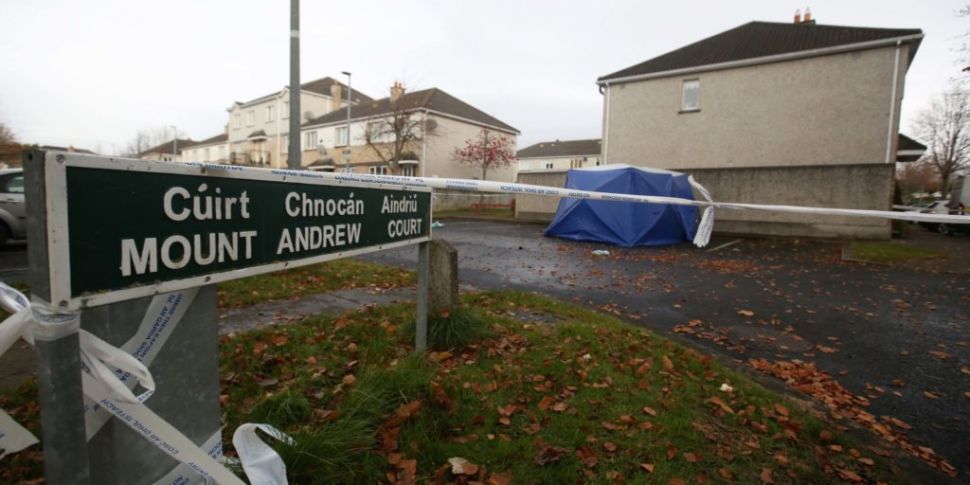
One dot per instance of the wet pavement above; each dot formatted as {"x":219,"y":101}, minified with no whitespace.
{"x":896,"y":335}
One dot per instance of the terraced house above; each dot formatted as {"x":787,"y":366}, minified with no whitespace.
{"x":257,"y":130}
{"x":560,"y":155}
{"x":777,"y":113}
{"x":406,"y":133}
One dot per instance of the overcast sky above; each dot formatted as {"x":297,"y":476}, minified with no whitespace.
{"x":93,"y":73}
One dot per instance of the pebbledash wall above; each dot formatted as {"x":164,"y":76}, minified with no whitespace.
{"x":818,"y":131}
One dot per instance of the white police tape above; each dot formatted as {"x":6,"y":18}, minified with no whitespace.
{"x":162,"y":316}
{"x":704,"y":228}
{"x":182,"y":474}
{"x":158,"y":432}
{"x":107,"y":373}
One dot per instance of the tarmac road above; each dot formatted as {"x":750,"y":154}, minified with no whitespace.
{"x":866,"y":325}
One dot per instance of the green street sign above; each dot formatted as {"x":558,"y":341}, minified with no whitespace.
{"x":121,"y":229}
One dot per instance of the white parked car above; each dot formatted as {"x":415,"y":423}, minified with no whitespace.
{"x":13,"y":213}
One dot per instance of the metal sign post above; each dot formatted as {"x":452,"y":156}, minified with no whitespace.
{"x":121,"y":241}
{"x":58,"y":357}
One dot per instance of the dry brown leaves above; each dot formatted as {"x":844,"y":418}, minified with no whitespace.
{"x":842,"y":403}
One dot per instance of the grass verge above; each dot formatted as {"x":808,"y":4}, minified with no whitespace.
{"x":891,"y":252}
{"x":584,"y":399}
{"x":318,"y":278}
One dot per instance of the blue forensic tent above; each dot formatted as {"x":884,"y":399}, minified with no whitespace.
{"x":626,"y":223}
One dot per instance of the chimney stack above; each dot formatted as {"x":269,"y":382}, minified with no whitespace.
{"x":335,"y":96}
{"x":397,"y":90}
{"x":798,"y":16}
{"x":808,"y":15}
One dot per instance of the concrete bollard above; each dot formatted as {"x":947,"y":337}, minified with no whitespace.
{"x":443,"y":278}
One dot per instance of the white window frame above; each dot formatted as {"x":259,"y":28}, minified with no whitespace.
{"x":408,"y":170}
{"x":344,"y":140}
{"x":696,"y":82}
{"x":270,"y":113}
{"x":251,"y":117}
{"x":286,"y":110}
{"x":311,"y":140}
{"x":381,"y":170}
{"x":237,"y":121}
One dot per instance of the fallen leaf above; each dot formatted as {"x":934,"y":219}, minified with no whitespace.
{"x":720,"y":403}
{"x":690,"y":457}
{"x":499,"y":479}
{"x":649,"y":410}
{"x":746,"y":313}
{"x":931,"y":395}
{"x":766,"y":476}
{"x":939,"y":354}
{"x":726,"y":473}
{"x":648,"y":467}
{"x":849,"y":475}
{"x":782,"y":410}
{"x":548,"y":454}
{"x":546,"y":402}
{"x":668,"y":364}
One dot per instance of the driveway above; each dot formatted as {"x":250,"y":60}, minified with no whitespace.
{"x":897,"y":336}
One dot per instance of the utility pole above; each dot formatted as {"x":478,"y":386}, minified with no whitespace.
{"x":347,"y":148}
{"x":295,"y":153}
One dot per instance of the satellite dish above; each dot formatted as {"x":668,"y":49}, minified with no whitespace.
{"x":431,"y":124}
{"x":308,"y":115}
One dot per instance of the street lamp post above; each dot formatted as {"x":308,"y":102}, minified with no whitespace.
{"x":347,"y":148}
{"x":294,"y":161}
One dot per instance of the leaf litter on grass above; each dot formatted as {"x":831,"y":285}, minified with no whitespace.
{"x":588,"y":399}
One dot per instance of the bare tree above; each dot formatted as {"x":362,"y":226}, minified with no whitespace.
{"x":945,"y":126}
{"x":487,"y":151}
{"x":9,"y":148}
{"x":148,"y":138}
{"x":919,"y":176}
{"x":395,"y":136}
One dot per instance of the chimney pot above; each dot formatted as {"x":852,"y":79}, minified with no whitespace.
{"x":808,"y":15}
{"x":798,"y":16}
{"x":397,"y":90}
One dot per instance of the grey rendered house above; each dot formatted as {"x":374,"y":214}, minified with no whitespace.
{"x":777,"y":113}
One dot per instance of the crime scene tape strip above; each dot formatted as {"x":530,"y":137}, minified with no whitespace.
{"x":103,"y":365}
{"x":162,"y":316}
{"x":182,"y":474}
{"x":707,"y":218}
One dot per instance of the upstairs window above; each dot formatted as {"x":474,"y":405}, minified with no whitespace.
{"x":251,"y":117}
{"x":342,"y":136}
{"x":692,"y":95}
{"x":236,"y":121}
{"x":377,"y":170}
{"x":286,"y":110}
{"x":311,"y":140}
{"x":270,"y":113}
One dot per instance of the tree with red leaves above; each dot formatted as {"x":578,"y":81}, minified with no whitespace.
{"x":487,"y":151}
